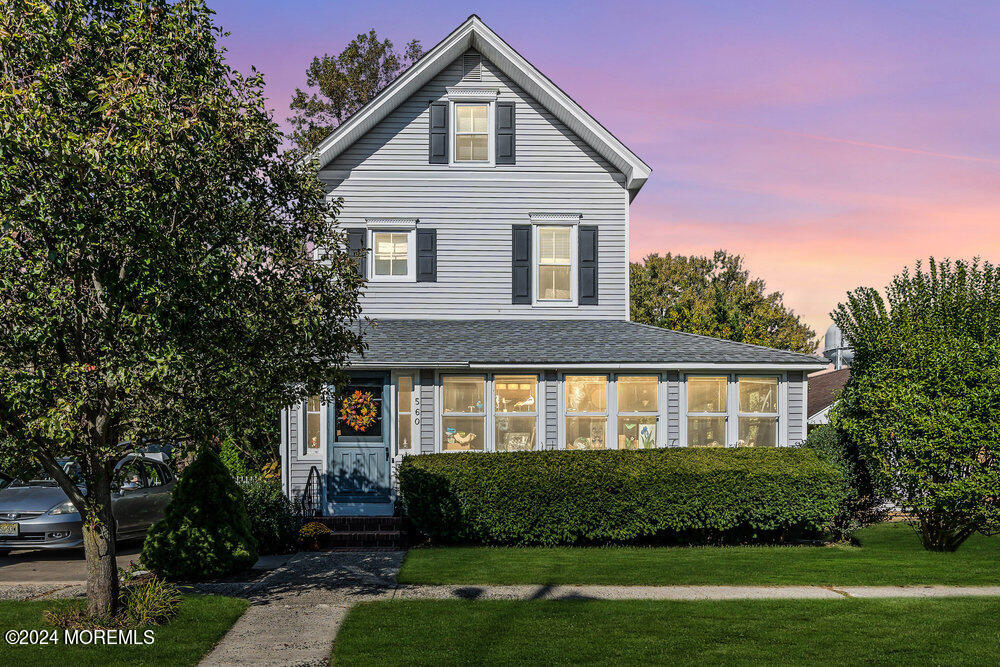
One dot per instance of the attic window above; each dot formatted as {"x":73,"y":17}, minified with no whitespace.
{"x":472,"y":132}
{"x":473,"y":70}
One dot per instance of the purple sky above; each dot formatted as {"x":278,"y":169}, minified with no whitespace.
{"x":829,"y":143}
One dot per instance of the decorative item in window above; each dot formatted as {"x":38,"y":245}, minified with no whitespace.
{"x":636,"y":432}
{"x":358,"y":410}
{"x":457,"y":440}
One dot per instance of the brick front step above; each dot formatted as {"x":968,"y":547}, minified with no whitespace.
{"x":363,"y":524}
{"x":354,"y":539}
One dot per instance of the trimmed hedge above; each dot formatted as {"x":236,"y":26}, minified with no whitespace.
{"x":560,"y":497}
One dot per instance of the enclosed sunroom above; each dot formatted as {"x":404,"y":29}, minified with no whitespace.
{"x":466,"y":386}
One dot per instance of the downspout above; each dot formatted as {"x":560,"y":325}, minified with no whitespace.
{"x":284,"y":453}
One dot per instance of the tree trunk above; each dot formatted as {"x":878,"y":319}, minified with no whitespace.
{"x":939,"y":533}
{"x":99,"y":531}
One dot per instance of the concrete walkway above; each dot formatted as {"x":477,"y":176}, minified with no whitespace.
{"x":297,"y":609}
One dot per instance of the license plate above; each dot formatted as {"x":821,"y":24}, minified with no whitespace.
{"x":9,"y":529}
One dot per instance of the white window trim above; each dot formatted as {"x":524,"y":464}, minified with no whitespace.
{"x":397,"y":452}
{"x":490,"y":410}
{"x":655,"y":413}
{"x":574,"y":269}
{"x":778,"y":431}
{"x":610,"y":408}
{"x":441,"y":414}
{"x":411,"y":253}
{"x":732,"y":406}
{"x":477,"y":95}
{"x":549,"y":219}
{"x":319,"y":454}
{"x":391,"y":223}
{"x":536,"y":413}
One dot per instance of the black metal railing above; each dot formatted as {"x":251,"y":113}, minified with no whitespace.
{"x":309,"y":503}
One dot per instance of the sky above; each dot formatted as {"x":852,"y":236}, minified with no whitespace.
{"x":829,"y":143}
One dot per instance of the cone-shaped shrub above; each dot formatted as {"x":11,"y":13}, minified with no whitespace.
{"x":205,"y":531}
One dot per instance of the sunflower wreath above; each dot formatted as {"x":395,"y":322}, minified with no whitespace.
{"x":358,"y":410}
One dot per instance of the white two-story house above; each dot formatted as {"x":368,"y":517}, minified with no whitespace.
{"x":492,"y":213}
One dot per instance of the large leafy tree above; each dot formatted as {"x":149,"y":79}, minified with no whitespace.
{"x":923,"y":401}
{"x":714,"y":296}
{"x":344,"y":83}
{"x":156,"y":274}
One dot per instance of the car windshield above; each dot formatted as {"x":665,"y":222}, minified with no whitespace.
{"x":39,"y":477}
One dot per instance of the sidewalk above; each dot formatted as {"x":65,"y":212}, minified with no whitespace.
{"x":534,"y":592}
{"x":298,"y":608}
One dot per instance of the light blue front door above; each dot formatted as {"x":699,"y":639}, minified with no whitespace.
{"x":359,"y":456}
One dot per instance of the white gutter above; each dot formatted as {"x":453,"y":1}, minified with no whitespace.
{"x":623,"y":366}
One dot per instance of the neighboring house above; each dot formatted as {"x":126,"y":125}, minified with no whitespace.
{"x":824,"y":390}
{"x":493,"y":216}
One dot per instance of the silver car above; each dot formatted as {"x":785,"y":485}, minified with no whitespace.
{"x":36,"y":514}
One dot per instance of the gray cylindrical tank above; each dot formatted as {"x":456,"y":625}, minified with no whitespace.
{"x":836,"y":348}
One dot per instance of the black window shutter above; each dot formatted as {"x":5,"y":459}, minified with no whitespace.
{"x":506,"y":144}
{"x":356,"y":244}
{"x":427,"y":271}
{"x":438,"y":137}
{"x":588,"y":265}
{"x":520,"y":287}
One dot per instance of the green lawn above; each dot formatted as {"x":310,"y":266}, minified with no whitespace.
{"x":889,"y":555}
{"x":201,"y":621}
{"x":848,"y":631}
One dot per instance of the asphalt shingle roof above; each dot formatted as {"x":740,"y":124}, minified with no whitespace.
{"x":825,"y":388}
{"x":442,"y":342}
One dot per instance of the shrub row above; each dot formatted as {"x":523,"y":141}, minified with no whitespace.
{"x":560,"y":497}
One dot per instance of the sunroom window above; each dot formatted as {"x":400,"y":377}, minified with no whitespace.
{"x":758,"y":412}
{"x":463,"y":418}
{"x":472,"y":133}
{"x":586,"y":411}
{"x":515,"y":408}
{"x":555,"y":263}
{"x":707,"y":410}
{"x":638,"y":407}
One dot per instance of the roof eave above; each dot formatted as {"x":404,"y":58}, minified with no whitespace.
{"x":473,"y":33}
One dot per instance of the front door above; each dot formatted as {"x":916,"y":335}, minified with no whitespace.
{"x":359,"y":441}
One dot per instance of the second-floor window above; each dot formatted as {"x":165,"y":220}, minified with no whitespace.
{"x":392,"y":255}
{"x":555,"y":263}
{"x":472,"y":132}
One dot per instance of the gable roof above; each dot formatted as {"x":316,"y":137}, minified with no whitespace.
{"x":593,"y":343}
{"x":825,"y":388}
{"x":475,"y":34}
